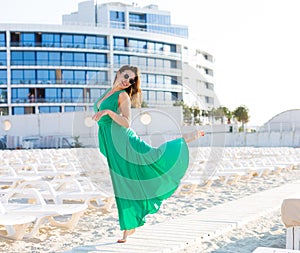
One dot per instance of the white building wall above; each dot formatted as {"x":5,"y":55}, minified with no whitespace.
{"x":165,"y":124}
{"x":84,"y":15}
{"x":86,"y":12}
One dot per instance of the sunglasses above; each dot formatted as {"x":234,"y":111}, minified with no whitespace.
{"x":131,"y":80}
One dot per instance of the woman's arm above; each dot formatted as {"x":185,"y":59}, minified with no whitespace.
{"x":124,"y":118}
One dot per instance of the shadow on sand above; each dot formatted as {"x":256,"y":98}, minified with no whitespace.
{"x":91,"y":248}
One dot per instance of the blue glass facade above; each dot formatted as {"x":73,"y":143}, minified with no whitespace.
{"x":61,"y":69}
{"x":59,"y":72}
{"x":44,"y":58}
{"x":156,"y":23}
{"x":58,"y":40}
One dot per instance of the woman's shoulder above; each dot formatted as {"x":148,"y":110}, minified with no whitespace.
{"x":123,"y":94}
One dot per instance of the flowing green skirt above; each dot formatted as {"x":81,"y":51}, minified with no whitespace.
{"x":142,"y":175}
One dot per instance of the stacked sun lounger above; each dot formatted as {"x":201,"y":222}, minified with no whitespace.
{"x":50,"y":187}
{"x":230,"y":165}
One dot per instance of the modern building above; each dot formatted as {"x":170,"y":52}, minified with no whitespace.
{"x":65,"y":68}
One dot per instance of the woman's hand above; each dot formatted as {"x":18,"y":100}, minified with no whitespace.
{"x":124,"y":117}
{"x":100,"y":114}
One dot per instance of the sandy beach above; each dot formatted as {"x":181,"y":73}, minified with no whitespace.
{"x":94,"y":226}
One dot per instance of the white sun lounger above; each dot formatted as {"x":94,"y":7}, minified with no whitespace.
{"x":15,"y":225}
{"x":63,"y":190}
{"x":68,"y":214}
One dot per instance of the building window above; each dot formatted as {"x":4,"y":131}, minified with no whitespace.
{"x":96,"y":93}
{"x":160,"y":95}
{"x":16,"y":58}
{"x":74,"y":108}
{"x":50,"y":40}
{"x":174,"y":96}
{"x":67,"y":59}
{"x":159,"y":79}
{"x":23,"y":76}
{"x":17,"y":77}
{"x":42,"y":58}
{"x":119,"y":43}
{"x":79,"y":41}
{"x":28,"y":39}
{"x":15,"y":39}
{"x":66,"y":40}
{"x":92,"y":77}
{"x":121,"y":59}
{"x":209,"y":100}
{"x":3,"y":111}
{"x":152,"y":96}
{"x":72,"y":95}
{"x":79,"y":59}
{"x":168,"y":96}
{"x":3,"y":77}
{"x":209,"y":72}
{"x":23,"y":58}
{"x":209,"y":86}
{"x":2,"y":40}
{"x":29,"y":76}
{"x":158,"y":19}
{"x":79,"y":77}
{"x":117,"y":16}
{"x":54,"y":59}
{"x":19,"y":110}
{"x":91,"y":60}
{"x":96,"y":60}
{"x":96,"y":42}
{"x":51,"y":95}
{"x":3,"y":95}
{"x":150,"y":62}
{"x":97,"y":77}
{"x":68,"y":76}
{"x":168,"y":80}
{"x":48,"y":58}
{"x":137,"y":17}
{"x":20,"y":95}
{"x":46,"y":76}
{"x":2,"y":58}
{"x":49,"y":109}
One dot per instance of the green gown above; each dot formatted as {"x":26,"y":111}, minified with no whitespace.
{"x":142,"y":175}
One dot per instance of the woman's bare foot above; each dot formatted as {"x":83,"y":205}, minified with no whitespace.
{"x":126,"y":233}
{"x":189,"y":137}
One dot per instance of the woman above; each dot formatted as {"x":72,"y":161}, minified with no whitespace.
{"x":142,"y":176}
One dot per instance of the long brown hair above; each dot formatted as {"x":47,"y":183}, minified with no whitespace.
{"x":134,"y":91}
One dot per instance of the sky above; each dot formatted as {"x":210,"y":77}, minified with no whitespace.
{"x":254,"y":43}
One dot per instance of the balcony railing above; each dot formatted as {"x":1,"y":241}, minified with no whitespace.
{"x":59,"y":45}
{"x":148,"y":51}
{"x":53,"y":100}
{"x":63,"y":82}
{"x":163,"y":87}
{"x":88,"y":64}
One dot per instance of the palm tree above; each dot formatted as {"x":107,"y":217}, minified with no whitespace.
{"x":241,"y":114}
